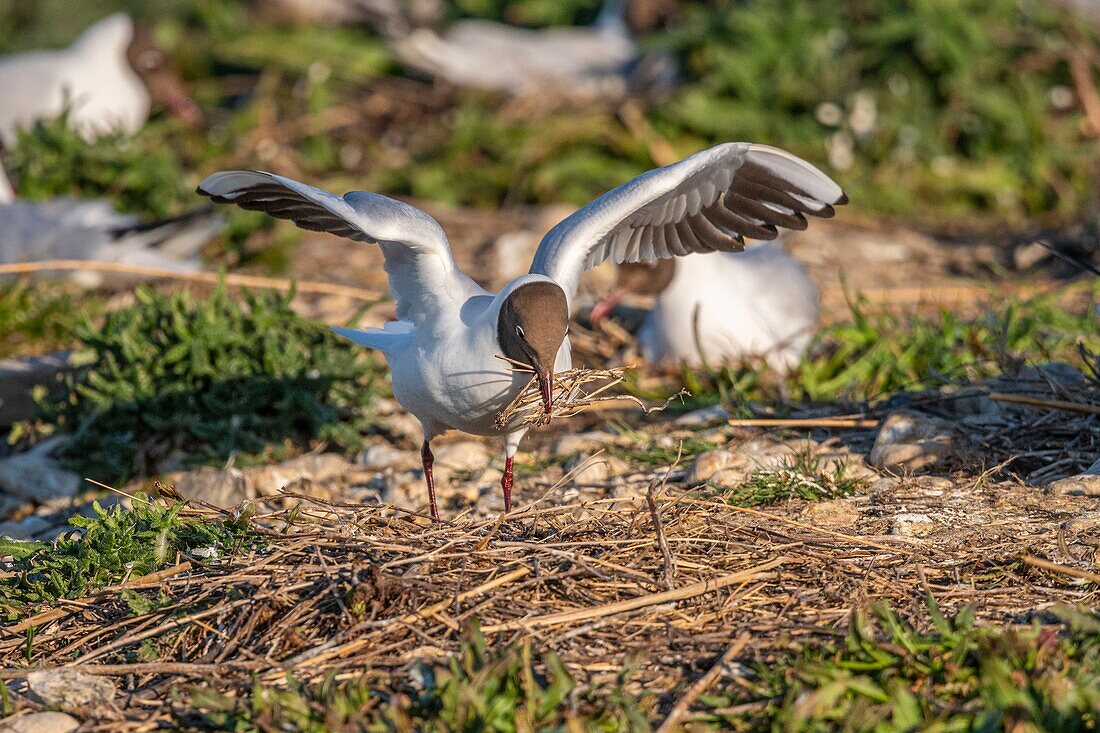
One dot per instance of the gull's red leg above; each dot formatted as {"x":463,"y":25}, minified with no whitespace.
{"x":506,"y":483}
{"x":428,"y":459}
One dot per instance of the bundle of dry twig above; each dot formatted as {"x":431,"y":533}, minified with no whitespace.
{"x":570,"y":397}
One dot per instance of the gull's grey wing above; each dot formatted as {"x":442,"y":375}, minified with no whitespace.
{"x":707,"y":202}
{"x":422,"y":272}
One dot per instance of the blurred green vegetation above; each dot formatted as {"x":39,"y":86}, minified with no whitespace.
{"x":174,"y":379}
{"x":920,"y":108}
{"x":36,"y":317}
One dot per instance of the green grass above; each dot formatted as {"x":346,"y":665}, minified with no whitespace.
{"x":35,"y":316}
{"x":889,"y":675}
{"x":114,"y":545}
{"x":480,"y":689}
{"x":877,"y":353}
{"x":804,"y":476}
{"x":176,"y":378}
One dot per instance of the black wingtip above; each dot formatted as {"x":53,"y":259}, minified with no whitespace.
{"x":842,"y":200}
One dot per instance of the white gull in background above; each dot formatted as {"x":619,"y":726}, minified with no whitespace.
{"x":722,"y":307}
{"x":601,"y":60}
{"x":93,"y":77}
{"x":90,"y":229}
{"x":443,"y":350}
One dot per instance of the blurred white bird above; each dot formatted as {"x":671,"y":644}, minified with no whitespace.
{"x":93,"y":77}
{"x":600,"y":61}
{"x":722,"y":307}
{"x":71,"y":229}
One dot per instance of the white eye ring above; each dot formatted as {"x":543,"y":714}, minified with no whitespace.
{"x":519,"y":331}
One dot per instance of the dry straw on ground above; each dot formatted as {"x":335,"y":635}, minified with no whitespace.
{"x":342,"y":589}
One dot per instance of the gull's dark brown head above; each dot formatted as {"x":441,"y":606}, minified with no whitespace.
{"x":531,"y":328}
{"x":636,"y":278}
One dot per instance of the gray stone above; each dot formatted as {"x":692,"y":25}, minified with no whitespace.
{"x":10,"y":505}
{"x":403,"y":426}
{"x":1093,"y":470}
{"x":912,"y":443}
{"x":463,"y":455}
{"x":50,"y":722}
{"x":590,"y":442}
{"x":597,"y":469}
{"x":912,"y":525}
{"x":731,"y":466}
{"x":25,"y":529}
{"x":69,"y":689}
{"x":37,"y":477}
{"x":225,"y":488}
{"x":384,"y":455}
{"x":704,"y":417}
{"x":1085,"y":484}
{"x":708,"y":463}
{"x":18,"y":379}
{"x":1058,"y":373}
{"x":318,"y":468}
{"x":884,"y":485}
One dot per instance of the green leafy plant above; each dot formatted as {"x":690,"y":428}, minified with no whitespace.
{"x":890,"y":675}
{"x":480,"y":689}
{"x":113,"y":545}
{"x":174,"y":376}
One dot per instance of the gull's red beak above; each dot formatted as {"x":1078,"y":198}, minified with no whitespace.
{"x":546,"y":386}
{"x":607,"y":304}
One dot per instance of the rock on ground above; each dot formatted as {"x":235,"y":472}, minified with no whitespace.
{"x":220,"y":487}
{"x":913,"y":443}
{"x":463,"y":455}
{"x":37,"y":477}
{"x":39,"y":723}
{"x":597,"y":469}
{"x":1086,"y":484}
{"x":68,"y":689}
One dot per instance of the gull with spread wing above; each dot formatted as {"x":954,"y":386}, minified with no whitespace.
{"x":443,"y":348}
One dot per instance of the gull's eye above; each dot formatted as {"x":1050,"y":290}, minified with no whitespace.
{"x":519,"y":331}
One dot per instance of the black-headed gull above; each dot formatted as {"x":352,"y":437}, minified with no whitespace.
{"x":722,"y":307}
{"x":93,"y":77}
{"x":443,"y":350}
